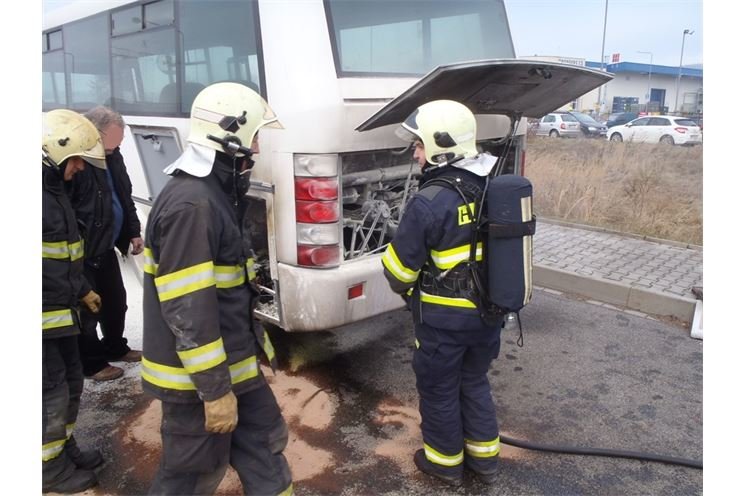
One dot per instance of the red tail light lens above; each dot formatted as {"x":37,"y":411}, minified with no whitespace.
{"x":563,"y":126}
{"x":318,"y":256}
{"x":317,"y":212}
{"x":681,"y":130}
{"x":307,"y":188}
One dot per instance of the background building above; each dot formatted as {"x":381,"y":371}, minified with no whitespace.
{"x":640,"y":87}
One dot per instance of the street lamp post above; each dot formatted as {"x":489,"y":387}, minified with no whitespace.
{"x":649,"y":80}
{"x":602,"y":59}
{"x":680,"y":66}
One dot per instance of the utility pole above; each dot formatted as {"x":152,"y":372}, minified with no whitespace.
{"x":602,"y":54}
{"x":680,"y":67}
{"x":649,"y":80}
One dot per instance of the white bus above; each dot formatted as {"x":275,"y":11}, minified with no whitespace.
{"x":325,"y":197}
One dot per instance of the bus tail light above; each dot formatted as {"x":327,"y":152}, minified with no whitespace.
{"x":317,"y":210}
{"x":318,"y":256}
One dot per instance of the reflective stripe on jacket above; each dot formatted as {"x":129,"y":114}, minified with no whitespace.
{"x":199,"y":339}
{"x":434,"y":236}
{"x":63,"y":282}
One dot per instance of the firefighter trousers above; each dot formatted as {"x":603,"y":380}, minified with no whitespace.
{"x":62,"y":386}
{"x":194,"y":461}
{"x":459,"y":421}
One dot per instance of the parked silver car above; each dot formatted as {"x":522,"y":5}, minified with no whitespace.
{"x":559,"y":125}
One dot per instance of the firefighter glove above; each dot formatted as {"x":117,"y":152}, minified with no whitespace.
{"x":92,"y":301}
{"x":221,"y":415}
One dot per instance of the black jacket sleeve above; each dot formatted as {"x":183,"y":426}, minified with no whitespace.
{"x":131,"y":227}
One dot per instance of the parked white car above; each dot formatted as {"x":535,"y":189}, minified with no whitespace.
{"x":559,"y":125}
{"x":669,"y":129}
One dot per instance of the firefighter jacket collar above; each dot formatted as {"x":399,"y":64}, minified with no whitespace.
{"x":481,"y":164}
{"x":196,"y":160}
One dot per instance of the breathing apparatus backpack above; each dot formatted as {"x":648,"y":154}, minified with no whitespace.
{"x":505,"y":224}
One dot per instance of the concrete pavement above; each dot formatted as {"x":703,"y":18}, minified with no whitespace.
{"x":641,"y":274}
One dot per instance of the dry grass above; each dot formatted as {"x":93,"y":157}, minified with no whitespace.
{"x":647,"y":189}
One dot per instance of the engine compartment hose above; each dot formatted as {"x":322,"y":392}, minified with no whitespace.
{"x":573,"y":450}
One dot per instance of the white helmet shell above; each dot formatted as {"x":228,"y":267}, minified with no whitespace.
{"x":66,"y":134}
{"x":231,"y":113}
{"x":446,"y":128}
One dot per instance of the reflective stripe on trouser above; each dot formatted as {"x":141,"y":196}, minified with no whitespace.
{"x":194,"y":461}
{"x":62,"y":385}
{"x":455,"y":400}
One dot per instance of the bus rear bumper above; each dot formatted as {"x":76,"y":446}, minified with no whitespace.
{"x":319,"y":299}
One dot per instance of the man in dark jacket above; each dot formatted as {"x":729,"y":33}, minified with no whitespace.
{"x":68,"y":142}
{"x":103,"y":203}
{"x":429,"y":259}
{"x":201,"y":345}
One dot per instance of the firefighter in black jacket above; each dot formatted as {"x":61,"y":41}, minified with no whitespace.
{"x":200,"y":344}
{"x":102,"y":200}
{"x":427,"y":261}
{"x":68,"y":140}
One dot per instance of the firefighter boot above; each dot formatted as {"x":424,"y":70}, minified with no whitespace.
{"x":420,"y":460}
{"x":489,"y":477}
{"x":85,"y":459}
{"x":79,"y":481}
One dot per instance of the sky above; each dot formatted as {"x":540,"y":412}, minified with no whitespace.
{"x":574,"y":28}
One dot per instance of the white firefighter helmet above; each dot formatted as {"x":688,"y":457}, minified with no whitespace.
{"x":226,"y":116}
{"x":446,"y":128}
{"x":66,"y":134}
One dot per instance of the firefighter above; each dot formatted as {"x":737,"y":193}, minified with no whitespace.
{"x":68,"y":142}
{"x":428,"y":263}
{"x":201,"y":345}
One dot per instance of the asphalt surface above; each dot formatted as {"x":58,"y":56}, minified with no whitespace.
{"x":588,"y":375}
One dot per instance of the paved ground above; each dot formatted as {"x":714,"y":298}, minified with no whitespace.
{"x":643,"y":274}
{"x":590,"y":374}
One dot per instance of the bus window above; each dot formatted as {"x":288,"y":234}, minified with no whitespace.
{"x":88,"y":62}
{"x":144,"y":66}
{"x":413,"y":37}
{"x":220,"y":44}
{"x":54,"y":90}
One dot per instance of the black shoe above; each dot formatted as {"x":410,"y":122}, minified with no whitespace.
{"x":79,"y":481}
{"x":420,"y":460}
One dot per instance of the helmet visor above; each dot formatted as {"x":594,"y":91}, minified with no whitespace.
{"x":406,"y":135}
{"x":96,"y":156}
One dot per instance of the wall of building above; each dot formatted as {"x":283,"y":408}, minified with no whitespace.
{"x":634,"y":84}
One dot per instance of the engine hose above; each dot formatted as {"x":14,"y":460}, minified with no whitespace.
{"x":572,"y":450}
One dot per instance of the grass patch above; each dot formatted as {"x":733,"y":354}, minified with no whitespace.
{"x":647,"y":189}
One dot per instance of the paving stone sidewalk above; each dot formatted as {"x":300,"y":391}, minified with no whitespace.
{"x":662,"y":266}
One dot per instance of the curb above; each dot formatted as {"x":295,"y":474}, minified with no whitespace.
{"x":639,"y":299}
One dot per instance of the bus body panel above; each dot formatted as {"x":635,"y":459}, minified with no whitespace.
{"x":317,"y":300}
{"x":319,"y":109}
